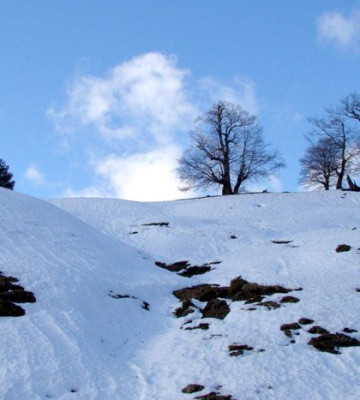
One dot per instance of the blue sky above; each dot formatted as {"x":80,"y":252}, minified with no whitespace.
{"x":97,"y":98}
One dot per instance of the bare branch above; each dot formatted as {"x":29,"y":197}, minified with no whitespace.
{"x":227,"y":146}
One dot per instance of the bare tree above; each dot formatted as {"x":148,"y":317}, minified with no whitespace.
{"x":350,"y":106}
{"x":320,"y":163}
{"x":335,"y":127}
{"x":227,"y":148}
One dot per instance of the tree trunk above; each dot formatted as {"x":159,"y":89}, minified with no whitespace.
{"x":237,"y":187}
{"x":339,"y":182}
{"x":341,"y":174}
{"x":327,"y":184}
{"x":339,"y":185}
{"x":226,"y":189}
{"x":240,"y":179}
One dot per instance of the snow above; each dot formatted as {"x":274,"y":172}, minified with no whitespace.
{"x":79,"y":342}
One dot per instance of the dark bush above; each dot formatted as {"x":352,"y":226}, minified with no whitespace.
{"x":6,"y":180}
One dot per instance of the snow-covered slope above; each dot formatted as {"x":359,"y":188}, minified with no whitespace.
{"x":76,"y":341}
{"x":79,"y":342}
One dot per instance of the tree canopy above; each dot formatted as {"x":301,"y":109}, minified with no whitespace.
{"x":334,"y":145}
{"x":227,"y":148}
{"x":6,"y":180}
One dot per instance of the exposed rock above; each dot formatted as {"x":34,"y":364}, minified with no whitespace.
{"x":120,"y":296}
{"x":185,"y":309}
{"x":192,"y":388}
{"x":202,"y":326}
{"x":236,"y":350}
{"x":288,"y":328}
{"x":145,"y":305}
{"x":5,"y":280}
{"x":9,"y":309}
{"x":329,"y":342}
{"x":252,"y":292}
{"x":291,"y":326}
{"x":7,"y":285}
{"x":156,"y":224}
{"x":282,"y":241}
{"x":202,"y":292}
{"x":183,"y":268}
{"x":318,"y":330}
{"x":195,"y":270}
{"x":216,"y":309}
{"x":306,"y":321}
{"x":270,"y":305}
{"x":11,"y":293}
{"x":214,"y":396}
{"x":175,"y":267}
{"x":348,"y":330}
{"x":236,"y":286}
{"x":239,"y":290}
{"x":289,"y":299}
{"x":343,"y":247}
{"x":18,"y":296}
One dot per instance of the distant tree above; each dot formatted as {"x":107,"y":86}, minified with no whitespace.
{"x":227,"y":148}
{"x":350,"y":106}
{"x":6,"y":180}
{"x":335,"y":128}
{"x":319,"y":164}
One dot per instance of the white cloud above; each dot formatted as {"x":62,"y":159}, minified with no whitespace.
{"x":33,"y":175}
{"x":143,"y":176}
{"x":333,"y":27}
{"x":139,"y":115}
{"x":144,"y":97}
{"x":243,"y":92}
{"x":147,"y":176}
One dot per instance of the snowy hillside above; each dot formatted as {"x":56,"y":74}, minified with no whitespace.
{"x":103,"y":324}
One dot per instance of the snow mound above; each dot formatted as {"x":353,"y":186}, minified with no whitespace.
{"x":103,"y":325}
{"x":78,"y":340}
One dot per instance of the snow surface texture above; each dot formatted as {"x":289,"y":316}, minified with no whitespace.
{"x":83,"y":340}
